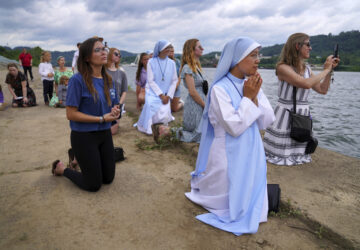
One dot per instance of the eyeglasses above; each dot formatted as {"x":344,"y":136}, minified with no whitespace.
{"x":307,"y":44}
{"x":103,"y":49}
{"x":117,"y":54}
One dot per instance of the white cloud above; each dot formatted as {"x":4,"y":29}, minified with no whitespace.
{"x":136,"y":25}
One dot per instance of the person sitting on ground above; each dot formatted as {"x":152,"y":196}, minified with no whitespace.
{"x":230,"y":176}
{"x":141,"y":80}
{"x":91,"y":106}
{"x":61,"y":71}
{"x":192,"y":80}
{"x":160,"y":88}
{"x":120,"y":79}
{"x":62,"y":91}
{"x":46,"y":72}
{"x":176,"y":103}
{"x":18,"y":85}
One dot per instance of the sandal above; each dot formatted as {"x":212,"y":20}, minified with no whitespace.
{"x":54,"y":164}
{"x":71,"y":164}
{"x":155,"y":130}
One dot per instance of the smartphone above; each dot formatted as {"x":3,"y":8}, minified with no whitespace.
{"x":336,"y":51}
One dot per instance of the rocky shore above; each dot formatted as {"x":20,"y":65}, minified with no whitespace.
{"x":145,"y":206}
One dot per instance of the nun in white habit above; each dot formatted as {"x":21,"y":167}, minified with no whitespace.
{"x":230,"y":176}
{"x":160,"y":88}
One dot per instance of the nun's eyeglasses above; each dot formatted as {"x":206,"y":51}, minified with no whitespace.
{"x":103,"y":49}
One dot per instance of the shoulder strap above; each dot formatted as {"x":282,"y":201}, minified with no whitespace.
{"x":294,"y":98}
{"x":199,"y":73}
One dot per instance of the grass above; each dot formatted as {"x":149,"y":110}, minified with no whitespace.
{"x":133,"y":116}
{"x":166,"y":142}
{"x":286,"y":210}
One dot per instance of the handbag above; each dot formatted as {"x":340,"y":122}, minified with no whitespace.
{"x":300,"y":125}
{"x":54,"y":100}
{"x":205,"y":84}
{"x":118,"y":154}
{"x":274,"y":193}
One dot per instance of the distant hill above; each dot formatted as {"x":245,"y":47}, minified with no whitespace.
{"x":322,"y":46}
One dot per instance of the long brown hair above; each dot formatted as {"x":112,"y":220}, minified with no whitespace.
{"x":188,"y":56}
{"x":140,"y":66}
{"x":290,"y":52}
{"x":84,"y":68}
{"x":109,"y":58}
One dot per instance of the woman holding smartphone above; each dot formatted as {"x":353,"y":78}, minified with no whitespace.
{"x":91,"y":106}
{"x":293,"y":72}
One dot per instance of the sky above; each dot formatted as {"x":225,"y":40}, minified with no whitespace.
{"x":135,"y":26}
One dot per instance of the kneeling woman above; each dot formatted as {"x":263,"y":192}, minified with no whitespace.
{"x":90,"y":98}
{"x":23,"y":95}
{"x":230,"y":176}
{"x":160,"y":88}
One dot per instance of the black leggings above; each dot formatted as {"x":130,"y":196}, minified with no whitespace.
{"x":26,"y":69}
{"x":48,"y":90}
{"x":94,"y":152}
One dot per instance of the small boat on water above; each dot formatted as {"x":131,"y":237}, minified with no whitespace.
{"x":136,"y":61}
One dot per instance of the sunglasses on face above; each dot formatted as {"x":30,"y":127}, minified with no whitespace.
{"x":117,"y":54}
{"x":307,"y":44}
{"x":103,"y":49}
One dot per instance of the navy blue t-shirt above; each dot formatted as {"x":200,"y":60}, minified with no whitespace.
{"x":79,"y":96}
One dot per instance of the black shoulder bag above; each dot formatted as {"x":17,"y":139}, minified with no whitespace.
{"x":300,"y":125}
{"x":301,"y":128}
{"x":205,"y":85}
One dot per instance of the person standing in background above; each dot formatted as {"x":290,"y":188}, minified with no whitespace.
{"x":25,"y":60}
{"x":74,"y":61}
{"x":46,"y":72}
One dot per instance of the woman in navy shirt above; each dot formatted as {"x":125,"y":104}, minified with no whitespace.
{"x":91,"y":106}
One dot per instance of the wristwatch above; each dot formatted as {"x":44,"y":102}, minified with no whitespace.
{"x":102,"y":120}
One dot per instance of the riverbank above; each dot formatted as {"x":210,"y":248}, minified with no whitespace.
{"x":145,"y":206}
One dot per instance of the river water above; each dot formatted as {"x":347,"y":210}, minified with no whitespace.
{"x":336,"y":115}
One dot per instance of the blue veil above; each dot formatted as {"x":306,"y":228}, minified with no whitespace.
{"x":160,"y":46}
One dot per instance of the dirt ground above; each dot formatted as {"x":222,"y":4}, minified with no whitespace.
{"x":145,"y":206}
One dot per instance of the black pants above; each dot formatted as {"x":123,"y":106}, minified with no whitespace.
{"x":48,"y":90}
{"x":94,"y":151}
{"x":26,"y":69}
